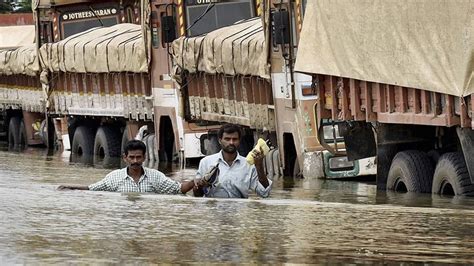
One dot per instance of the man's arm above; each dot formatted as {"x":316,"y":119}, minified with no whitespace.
{"x":198,"y":189}
{"x":73,"y":187}
{"x":102,"y":185}
{"x":187,"y":186}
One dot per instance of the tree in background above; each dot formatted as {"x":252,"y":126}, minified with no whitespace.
{"x":15,"y":7}
{"x":23,"y":7}
{"x":5,"y":7}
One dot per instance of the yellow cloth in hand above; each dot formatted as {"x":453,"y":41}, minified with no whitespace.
{"x":261,"y":147}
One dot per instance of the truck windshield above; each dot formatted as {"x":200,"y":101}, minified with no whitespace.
{"x":203,"y":16}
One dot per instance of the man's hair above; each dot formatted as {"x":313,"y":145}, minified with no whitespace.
{"x":134,"y":145}
{"x":229,"y":129}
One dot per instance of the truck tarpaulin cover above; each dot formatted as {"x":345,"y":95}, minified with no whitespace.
{"x":18,"y":51}
{"x":22,"y":60}
{"x":425,"y":44}
{"x":16,"y":36}
{"x":119,"y":48}
{"x":238,"y":49}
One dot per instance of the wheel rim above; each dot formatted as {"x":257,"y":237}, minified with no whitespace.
{"x":446,"y":189}
{"x":22,"y":142}
{"x":10,"y":140}
{"x":79,"y":151}
{"x":101,"y":153}
{"x":400,"y":186}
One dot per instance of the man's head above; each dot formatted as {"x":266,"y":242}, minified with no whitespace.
{"x":229,"y":137}
{"x":134,"y":154}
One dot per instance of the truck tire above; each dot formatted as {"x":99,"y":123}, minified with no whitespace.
{"x":410,"y":171}
{"x":107,"y":147}
{"x":269,"y":163}
{"x":276,"y":163}
{"x":145,"y":141}
{"x":23,"y":137}
{"x":155,"y":149}
{"x":14,"y":132}
{"x":82,"y":148}
{"x":124,"y":140}
{"x":297,"y":170}
{"x":451,"y":176}
{"x":150,"y":148}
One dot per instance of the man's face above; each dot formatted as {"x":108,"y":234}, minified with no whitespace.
{"x":134,"y":159}
{"x":230,"y":142}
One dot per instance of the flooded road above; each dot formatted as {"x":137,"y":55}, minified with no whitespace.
{"x":304,"y":221}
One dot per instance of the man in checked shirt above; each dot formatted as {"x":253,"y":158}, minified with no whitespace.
{"x":135,"y":177}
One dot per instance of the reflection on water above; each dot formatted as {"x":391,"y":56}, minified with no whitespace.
{"x":304,"y":221}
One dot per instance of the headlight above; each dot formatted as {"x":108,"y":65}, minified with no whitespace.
{"x":340,"y":163}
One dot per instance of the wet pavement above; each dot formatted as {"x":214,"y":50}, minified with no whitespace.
{"x":304,"y":221}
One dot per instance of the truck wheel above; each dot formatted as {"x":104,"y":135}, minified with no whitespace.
{"x":23,"y":137}
{"x":150,"y":148}
{"x":82,"y":148}
{"x":451,"y":176}
{"x":269,"y":164}
{"x":14,"y":132}
{"x":296,"y":169}
{"x":107,"y":147}
{"x":155,"y":149}
{"x":276,"y":162}
{"x":124,"y":140}
{"x":410,"y":171}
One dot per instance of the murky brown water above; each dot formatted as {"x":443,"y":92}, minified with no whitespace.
{"x":303,"y":222}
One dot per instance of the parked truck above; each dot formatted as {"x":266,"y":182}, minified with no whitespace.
{"x":18,"y":66}
{"x":397,"y":79}
{"x":108,"y":68}
{"x":244,"y":74}
{"x":97,"y":75}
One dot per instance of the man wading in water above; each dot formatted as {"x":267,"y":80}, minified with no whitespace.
{"x":233,"y":177}
{"x":135,"y":177}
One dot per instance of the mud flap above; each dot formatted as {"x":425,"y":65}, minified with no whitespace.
{"x":466,"y":137}
{"x":359,"y":139}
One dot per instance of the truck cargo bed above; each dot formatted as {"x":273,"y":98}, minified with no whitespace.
{"x":351,"y":99}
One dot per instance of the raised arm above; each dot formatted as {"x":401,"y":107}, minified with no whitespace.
{"x":262,"y":177}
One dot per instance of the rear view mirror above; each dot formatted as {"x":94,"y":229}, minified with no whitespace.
{"x":168,"y":29}
{"x":359,"y":138}
{"x":329,"y":138}
{"x":281,"y":30}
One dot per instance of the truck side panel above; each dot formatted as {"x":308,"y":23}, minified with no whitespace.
{"x":351,"y":99}
{"x":21,"y":92}
{"x":102,"y":94}
{"x":246,"y":101}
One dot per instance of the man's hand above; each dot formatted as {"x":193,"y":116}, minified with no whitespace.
{"x":186,"y":186}
{"x":199,"y":184}
{"x":258,"y":157}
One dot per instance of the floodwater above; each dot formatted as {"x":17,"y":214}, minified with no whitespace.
{"x":304,"y":221}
